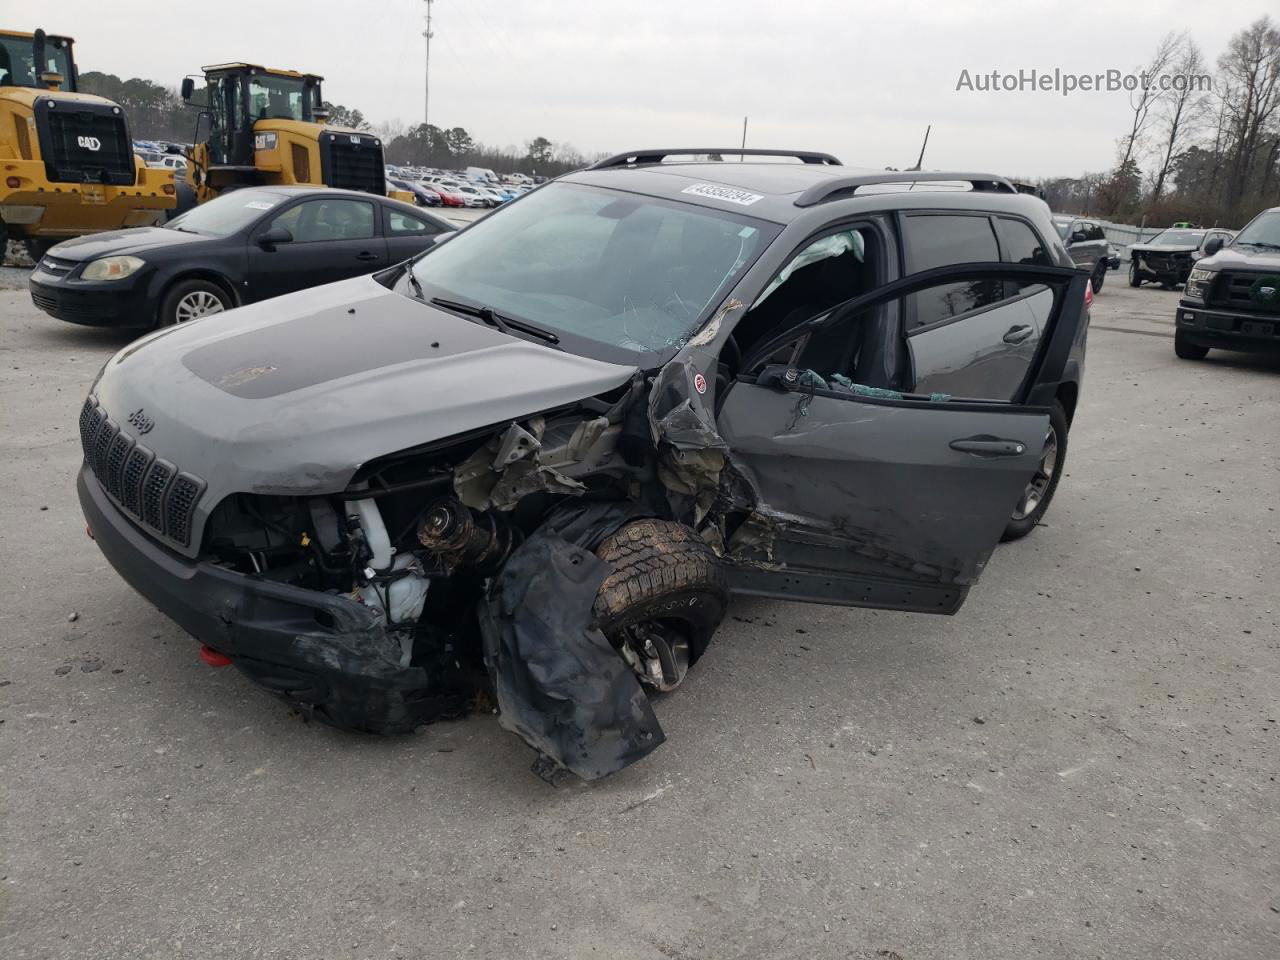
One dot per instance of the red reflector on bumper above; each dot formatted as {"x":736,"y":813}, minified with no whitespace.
{"x":213,"y":658}
{"x":88,"y":531}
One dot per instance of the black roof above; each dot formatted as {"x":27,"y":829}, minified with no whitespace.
{"x":794,"y":182}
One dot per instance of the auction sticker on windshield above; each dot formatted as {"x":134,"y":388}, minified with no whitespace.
{"x":716,"y":192}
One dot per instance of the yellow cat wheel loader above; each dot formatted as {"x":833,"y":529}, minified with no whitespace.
{"x":259,"y":126}
{"x":67,"y":165}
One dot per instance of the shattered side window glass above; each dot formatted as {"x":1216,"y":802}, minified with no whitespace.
{"x":830,"y":270}
{"x":850,"y":241}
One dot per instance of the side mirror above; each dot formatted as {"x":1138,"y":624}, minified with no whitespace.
{"x":1078,"y":237}
{"x":188,"y":88}
{"x":1213,"y":246}
{"x":275,"y":235}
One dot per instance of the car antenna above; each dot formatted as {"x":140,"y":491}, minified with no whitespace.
{"x":920,"y":159}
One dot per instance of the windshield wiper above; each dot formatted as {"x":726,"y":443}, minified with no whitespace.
{"x":495,"y":319}
{"x":1260,"y":243}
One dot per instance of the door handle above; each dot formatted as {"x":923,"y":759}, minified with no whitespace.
{"x":1018,"y":333}
{"x":989,"y":447}
{"x":366,"y":255}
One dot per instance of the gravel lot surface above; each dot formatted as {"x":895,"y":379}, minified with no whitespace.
{"x":1082,"y":763}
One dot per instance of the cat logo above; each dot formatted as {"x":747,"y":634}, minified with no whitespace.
{"x":90,"y":143}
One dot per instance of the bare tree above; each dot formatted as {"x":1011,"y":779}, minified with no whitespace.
{"x":1250,"y":65}
{"x":1182,"y":111}
{"x":1148,"y":94}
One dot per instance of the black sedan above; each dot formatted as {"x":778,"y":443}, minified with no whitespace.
{"x":239,"y":248}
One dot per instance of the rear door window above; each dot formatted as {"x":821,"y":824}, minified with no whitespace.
{"x":939,"y":240}
{"x":401,"y":224}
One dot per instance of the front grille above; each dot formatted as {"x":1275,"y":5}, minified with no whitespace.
{"x":151,"y":490}
{"x":56,"y":266}
{"x":135,"y":468}
{"x":116,"y":455}
{"x":351,"y":162}
{"x":1235,"y":292}
{"x":84,"y":142}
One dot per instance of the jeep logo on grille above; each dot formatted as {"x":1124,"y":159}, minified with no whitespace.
{"x":90,"y":143}
{"x":141,"y":422}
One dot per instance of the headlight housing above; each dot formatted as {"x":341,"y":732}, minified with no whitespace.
{"x":112,"y":268}
{"x":1198,"y":283}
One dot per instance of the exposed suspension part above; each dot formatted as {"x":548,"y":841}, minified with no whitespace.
{"x":461,"y":537}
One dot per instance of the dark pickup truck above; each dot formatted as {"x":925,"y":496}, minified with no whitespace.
{"x":1232,"y":297}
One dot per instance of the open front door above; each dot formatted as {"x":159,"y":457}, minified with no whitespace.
{"x":878,"y":498}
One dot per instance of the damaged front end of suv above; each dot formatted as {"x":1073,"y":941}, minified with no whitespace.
{"x":528,"y":469}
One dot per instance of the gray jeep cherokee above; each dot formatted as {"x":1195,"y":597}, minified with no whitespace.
{"x":534,"y":463}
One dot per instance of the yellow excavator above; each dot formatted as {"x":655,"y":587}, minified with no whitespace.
{"x":259,"y":126}
{"x":67,"y":165}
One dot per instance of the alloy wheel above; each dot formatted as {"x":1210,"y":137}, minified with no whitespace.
{"x":1038,"y":487}
{"x":197,"y":303}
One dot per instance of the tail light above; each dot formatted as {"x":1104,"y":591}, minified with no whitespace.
{"x":1088,"y":294}
{"x":13,"y":183}
{"x":168,"y":188}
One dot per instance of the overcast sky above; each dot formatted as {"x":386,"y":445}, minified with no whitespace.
{"x":860,"y":80}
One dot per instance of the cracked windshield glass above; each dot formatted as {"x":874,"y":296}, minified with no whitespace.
{"x":628,"y":271}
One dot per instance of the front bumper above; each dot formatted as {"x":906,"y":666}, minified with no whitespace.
{"x":38,"y":208}
{"x":1165,"y":267}
{"x":115,"y":303}
{"x":1227,"y":329}
{"x":322,"y":652}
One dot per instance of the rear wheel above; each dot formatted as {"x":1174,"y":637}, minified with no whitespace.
{"x":663,"y":599}
{"x":1099,"y":275}
{"x":1039,"y":491}
{"x":191,"y":299}
{"x":1184,"y":349}
{"x":1135,"y":275}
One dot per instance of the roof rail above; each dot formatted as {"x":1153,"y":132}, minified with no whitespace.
{"x":827,"y":189}
{"x":637,"y":157}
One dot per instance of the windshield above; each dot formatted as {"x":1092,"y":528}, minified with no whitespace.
{"x":1263,"y":231}
{"x":623,"y":270}
{"x":18,"y":66}
{"x":1182,"y":238}
{"x":278,"y":98}
{"x":227,"y":214}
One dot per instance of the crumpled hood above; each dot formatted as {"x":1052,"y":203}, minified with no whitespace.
{"x":294,"y":395}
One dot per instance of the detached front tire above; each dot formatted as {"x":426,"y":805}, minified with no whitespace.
{"x":664,"y":598}
{"x":1135,"y":275}
{"x":190,"y":300}
{"x":1039,"y":491}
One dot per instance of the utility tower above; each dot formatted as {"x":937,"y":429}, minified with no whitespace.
{"x":426,"y":78}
